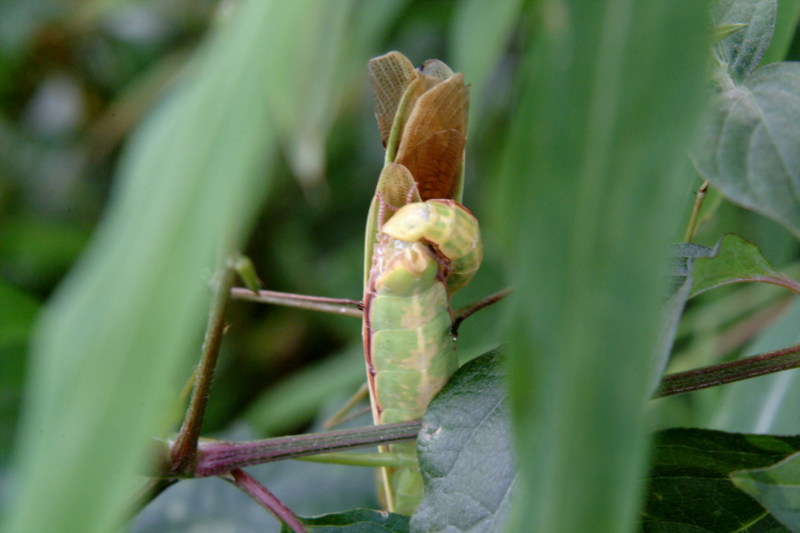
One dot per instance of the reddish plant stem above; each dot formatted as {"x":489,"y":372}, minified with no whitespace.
{"x":184,"y":449}
{"x":218,"y":457}
{"x":465,"y":312}
{"x":265,"y":498}
{"x":712,"y":376}
{"x":336,"y":306}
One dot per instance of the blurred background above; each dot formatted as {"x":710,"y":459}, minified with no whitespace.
{"x":76,"y":79}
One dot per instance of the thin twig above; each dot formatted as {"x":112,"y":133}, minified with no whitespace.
{"x":340,"y":416}
{"x":465,"y":312}
{"x":698,"y":204}
{"x":217,"y":457}
{"x":184,"y":450}
{"x":336,"y":306}
{"x":265,"y":498}
{"x":711,"y":376}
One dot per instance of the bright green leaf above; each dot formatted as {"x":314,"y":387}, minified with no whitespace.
{"x":689,"y":485}
{"x":776,"y":487}
{"x":736,"y":261}
{"x":466,"y":452}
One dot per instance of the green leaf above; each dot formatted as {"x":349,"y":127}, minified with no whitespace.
{"x":121,"y":332}
{"x":750,"y":152}
{"x":736,"y":260}
{"x":480,"y":33}
{"x":356,"y":521}
{"x":742,"y":51}
{"x":18,"y":311}
{"x":785,"y":24}
{"x":776,"y":487}
{"x":609,"y":103}
{"x":466,"y":452}
{"x":689,"y":485}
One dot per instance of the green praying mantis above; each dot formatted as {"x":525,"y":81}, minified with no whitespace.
{"x":421,"y":246}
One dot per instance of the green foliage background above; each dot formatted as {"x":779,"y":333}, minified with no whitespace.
{"x":146,"y":139}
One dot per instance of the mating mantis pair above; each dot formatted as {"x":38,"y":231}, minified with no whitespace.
{"x":421,"y":246}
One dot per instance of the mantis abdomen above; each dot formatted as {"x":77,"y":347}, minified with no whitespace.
{"x":410,"y":347}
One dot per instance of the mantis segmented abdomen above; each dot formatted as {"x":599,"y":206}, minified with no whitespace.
{"x":410,"y":350}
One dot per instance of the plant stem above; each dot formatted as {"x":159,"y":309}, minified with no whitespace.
{"x":336,"y":306}
{"x":265,"y":498}
{"x":712,"y":376}
{"x":217,"y":457}
{"x":698,"y":204}
{"x":184,"y":449}
{"x":341,"y":415}
{"x":374,"y":460}
{"x":465,"y":312}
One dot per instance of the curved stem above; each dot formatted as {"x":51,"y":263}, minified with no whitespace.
{"x":265,"y":498}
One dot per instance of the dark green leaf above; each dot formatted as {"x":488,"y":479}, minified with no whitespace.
{"x":776,"y":487}
{"x":750,"y":153}
{"x":742,"y":50}
{"x":466,"y":452}
{"x":356,"y":521}
{"x":736,"y":260}
{"x":689,"y":485}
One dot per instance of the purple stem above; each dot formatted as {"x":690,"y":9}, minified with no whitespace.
{"x":265,"y":498}
{"x":217,"y":457}
{"x":711,"y":376}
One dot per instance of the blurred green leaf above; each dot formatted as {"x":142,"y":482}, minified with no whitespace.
{"x":608,"y":106}
{"x":786,"y":21}
{"x":742,"y":51}
{"x":356,"y":521}
{"x":767,"y":404}
{"x":750,"y":152}
{"x":112,"y":343}
{"x":466,"y":452}
{"x":481,"y":31}
{"x":776,"y":487}
{"x":18,"y":311}
{"x":736,"y":260}
{"x":689,"y":485}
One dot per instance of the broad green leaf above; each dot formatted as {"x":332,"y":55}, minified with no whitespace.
{"x":689,"y":485}
{"x":750,"y":153}
{"x":116,"y":338}
{"x":776,"y":487}
{"x":466,"y":452}
{"x":742,"y":51}
{"x":736,"y":260}
{"x":609,"y":104}
{"x":767,"y":404}
{"x":356,"y":521}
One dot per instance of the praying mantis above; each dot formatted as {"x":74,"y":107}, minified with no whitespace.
{"x":421,"y":246}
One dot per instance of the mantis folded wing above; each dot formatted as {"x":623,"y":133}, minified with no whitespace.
{"x":421,"y":246}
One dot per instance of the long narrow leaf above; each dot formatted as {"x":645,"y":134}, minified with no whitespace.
{"x":608,"y":107}
{"x":109,"y":348}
